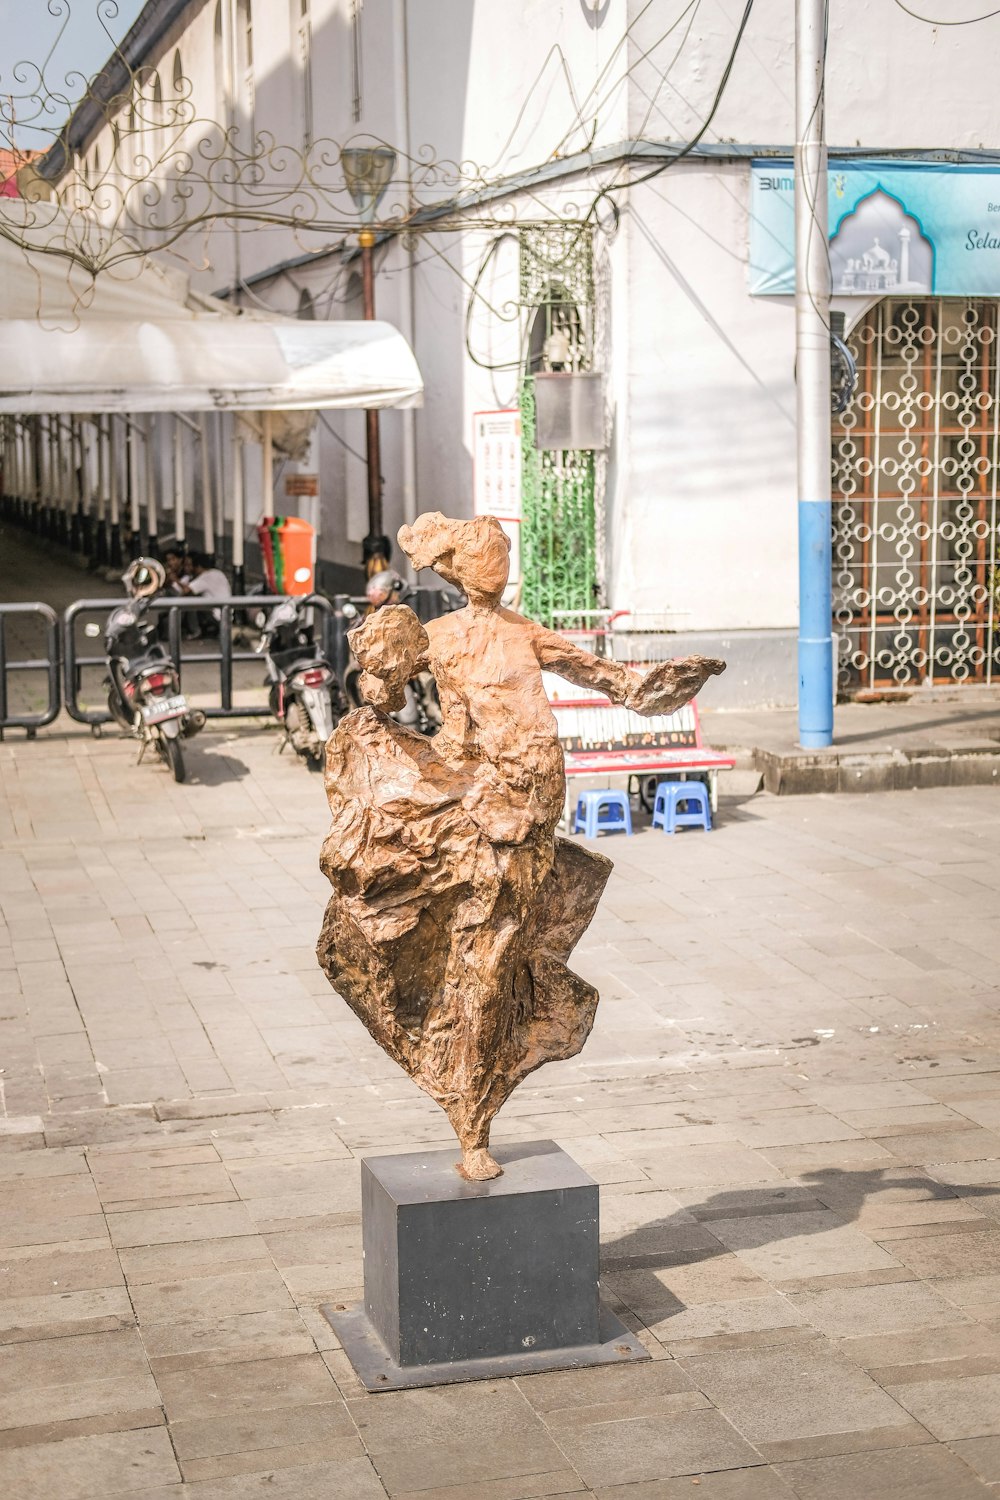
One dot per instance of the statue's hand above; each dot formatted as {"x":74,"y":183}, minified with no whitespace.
{"x":673,"y":683}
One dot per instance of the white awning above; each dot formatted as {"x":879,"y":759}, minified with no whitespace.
{"x":205,"y":364}
{"x":139,"y":340}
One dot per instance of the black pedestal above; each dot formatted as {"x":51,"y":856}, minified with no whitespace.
{"x":472,"y":1280}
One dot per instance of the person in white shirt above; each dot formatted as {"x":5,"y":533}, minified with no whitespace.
{"x":206,"y":582}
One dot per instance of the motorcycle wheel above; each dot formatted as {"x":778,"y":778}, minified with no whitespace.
{"x":298,"y":727}
{"x":121,"y":718}
{"x":174,"y":756}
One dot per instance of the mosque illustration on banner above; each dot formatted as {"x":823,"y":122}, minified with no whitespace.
{"x":880,"y":248}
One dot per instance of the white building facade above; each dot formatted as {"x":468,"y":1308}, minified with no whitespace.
{"x":538,"y":221}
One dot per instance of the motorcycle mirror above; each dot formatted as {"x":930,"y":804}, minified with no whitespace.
{"x":260,"y":619}
{"x":92,"y":629}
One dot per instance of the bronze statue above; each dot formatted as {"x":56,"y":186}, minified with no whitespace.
{"x":455,"y":907}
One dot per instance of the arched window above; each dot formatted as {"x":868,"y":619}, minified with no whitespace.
{"x":178,"y":72}
{"x":307,"y":307}
{"x":556,"y":338}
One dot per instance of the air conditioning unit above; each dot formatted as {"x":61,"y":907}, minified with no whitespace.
{"x":569,"y":410}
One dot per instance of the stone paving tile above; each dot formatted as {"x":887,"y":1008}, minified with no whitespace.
{"x":964,"y":1407}
{"x":34,"y":1271}
{"x":182,"y":1260}
{"x":982,"y":1456}
{"x":814,"y":1243}
{"x":563,"y":1482}
{"x":870,"y":1310}
{"x":415,"y":1439}
{"x":166,"y":1226}
{"x":901,"y":1474}
{"x":119,"y":1463}
{"x":951,"y":1255}
{"x":725,"y":1323}
{"x":636,"y":1449}
{"x":799,"y":1390}
{"x":67,"y":1378}
{"x":761,"y":1483}
{"x":246,"y":1386}
{"x":565,"y":1397}
{"x":63,"y":1314}
{"x":210,"y":1296}
{"x":931,"y":1348}
{"x":344,"y":1478}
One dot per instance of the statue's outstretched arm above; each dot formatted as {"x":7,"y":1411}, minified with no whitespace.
{"x":664,"y":688}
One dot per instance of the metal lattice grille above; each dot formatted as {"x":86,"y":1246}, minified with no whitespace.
{"x":557,"y":534}
{"x":915,"y":460}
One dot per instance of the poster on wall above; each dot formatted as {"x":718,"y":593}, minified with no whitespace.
{"x":301,"y":494}
{"x":897,"y":229}
{"x":496,"y":477}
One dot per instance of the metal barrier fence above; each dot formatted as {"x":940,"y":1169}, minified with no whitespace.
{"x":334,"y":617}
{"x":49,"y":663}
{"x":227,"y":655}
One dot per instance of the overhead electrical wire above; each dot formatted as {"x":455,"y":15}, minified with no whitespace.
{"x":608,"y":190}
{"x":819,"y":105}
{"x":343,"y":443}
{"x":692,"y":13}
{"x":930,"y":21}
{"x":706,"y":124}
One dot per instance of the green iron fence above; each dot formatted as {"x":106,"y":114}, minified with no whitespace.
{"x":558,"y":552}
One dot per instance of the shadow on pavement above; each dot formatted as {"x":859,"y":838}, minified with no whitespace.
{"x":210,"y":767}
{"x":842,"y":1193}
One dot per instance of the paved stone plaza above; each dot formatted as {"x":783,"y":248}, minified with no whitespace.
{"x":791,"y":1100}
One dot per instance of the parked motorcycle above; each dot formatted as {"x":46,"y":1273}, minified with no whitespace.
{"x":422,"y":709}
{"x":304,"y":693}
{"x":143,"y":685}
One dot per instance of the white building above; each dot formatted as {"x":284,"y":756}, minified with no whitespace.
{"x":547,"y":222}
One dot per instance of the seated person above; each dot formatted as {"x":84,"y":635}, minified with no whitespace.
{"x":206,"y":582}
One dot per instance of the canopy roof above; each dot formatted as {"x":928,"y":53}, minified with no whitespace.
{"x":137,"y":338}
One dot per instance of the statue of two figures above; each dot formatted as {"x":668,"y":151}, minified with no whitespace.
{"x":455,"y":907}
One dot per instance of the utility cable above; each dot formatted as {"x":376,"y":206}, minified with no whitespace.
{"x":335,"y":434}
{"x":707,"y":122}
{"x":930,"y":21}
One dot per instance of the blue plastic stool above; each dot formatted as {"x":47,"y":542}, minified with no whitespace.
{"x":670,"y":795}
{"x":589,"y":809}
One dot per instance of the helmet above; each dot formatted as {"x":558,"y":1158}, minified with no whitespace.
{"x":384,"y":587}
{"x":144,"y":578}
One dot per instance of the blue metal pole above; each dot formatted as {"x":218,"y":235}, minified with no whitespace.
{"x":812,"y":345}
{"x":815,"y":633}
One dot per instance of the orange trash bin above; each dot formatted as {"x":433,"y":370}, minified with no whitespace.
{"x":288,"y":552}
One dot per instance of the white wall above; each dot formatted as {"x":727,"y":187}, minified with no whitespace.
{"x":709,"y":528}
{"x":701,"y":495}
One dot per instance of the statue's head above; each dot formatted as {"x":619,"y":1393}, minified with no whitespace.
{"x":473,"y":555}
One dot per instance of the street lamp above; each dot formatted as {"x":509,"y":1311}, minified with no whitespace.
{"x":367,"y":172}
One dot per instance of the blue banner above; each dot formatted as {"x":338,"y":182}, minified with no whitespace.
{"x":896,"y":229}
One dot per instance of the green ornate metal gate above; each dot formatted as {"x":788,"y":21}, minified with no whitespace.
{"x":558,"y":541}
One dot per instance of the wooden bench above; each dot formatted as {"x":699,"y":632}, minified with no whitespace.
{"x":601,"y":739}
